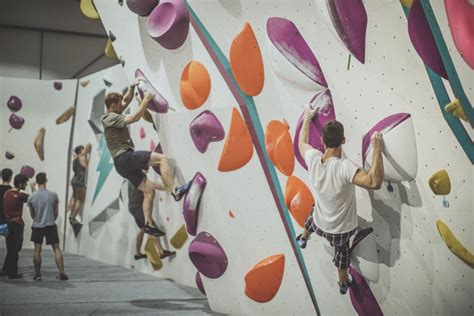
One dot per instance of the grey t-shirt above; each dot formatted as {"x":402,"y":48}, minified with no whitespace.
{"x":116,"y":133}
{"x":43,"y":203}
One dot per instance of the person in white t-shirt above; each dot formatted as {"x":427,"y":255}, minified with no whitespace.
{"x":334,"y":178}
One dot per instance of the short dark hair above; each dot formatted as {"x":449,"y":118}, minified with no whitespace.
{"x":7,"y":174}
{"x":333,"y":134}
{"x":19,"y":180}
{"x":111,"y":98}
{"x":78,"y":149}
{"x":41,"y":178}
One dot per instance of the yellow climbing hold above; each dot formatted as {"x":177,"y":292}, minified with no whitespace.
{"x":440,"y":183}
{"x":88,"y":9}
{"x":407,"y":3}
{"x":179,"y":237}
{"x":454,"y":244}
{"x":109,"y":50}
{"x":455,"y":108}
{"x":152,"y":254}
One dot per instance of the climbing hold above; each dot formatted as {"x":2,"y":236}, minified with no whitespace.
{"x":440,"y":183}
{"x":208,"y":256}
{"x":14,"y":103}
{"x":142,"y":7}
{"x":199,"y":284}
{"x":58,"y":85}
{"x":298,"y":199}
{"x":238,"y":147}
{"x":168,"y":23}
{"x":85,"y":82}
{"x":179,"y":237}
{"x":460,"y":14}
{"x":454,"y":244}
{"x":107,"y":82}
{"x":192,"y":200}
{"x":9,"y":155}
{"x":204,"y":129}
{"x":152,"y":255}
{"x":407,"y":3}
{"x":280,"y":147}
{"x":323,"y":100}
{"x":231,"y":214}
{"x":120,"y":2}
{"x":400,"y":156}
{"x":88,"y":9}
{"x":423,"y":40}
{"x":291,"y":56}
{"x":28,"y":171}
{"x":455,"y":108}
{"x":66,"y":115}
{"x":364,"y":256}
{"x":16,"y":121}
{"x":159,"y":103}
{"x":142,"y":133}
{"x":263,"y":281}
{"x":195,"y":85}
{"x":246,"y":61}
{"x":109,"y":50}
{"x":122,"y":61}
{"x":362,"y":298}
{"x":112,"y":36}
{"x":39,"y":143}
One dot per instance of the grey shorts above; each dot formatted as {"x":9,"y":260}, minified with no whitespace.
{"x":131,"y":164}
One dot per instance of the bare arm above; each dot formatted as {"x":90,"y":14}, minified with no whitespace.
{"x":128,"y":96}
{"x":84,"y":157}
{"x":303,"y":142}
{"x":132,"y":118}
{"x":372,"y":179}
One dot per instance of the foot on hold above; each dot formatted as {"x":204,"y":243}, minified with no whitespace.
{"x":343,"y":288}
{"x":37,"y":277}
{"x":180,"y":191}
{"x":153,"y":230}
{"x":16,"y":276}
{"x":63,"y":277}
{"x":167,"y":253}
{"x":301,"y":241}
{"x":140,"y":256}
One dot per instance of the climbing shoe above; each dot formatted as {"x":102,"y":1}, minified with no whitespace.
{"x":37,"y":277}
{"x":343,"y":288}
{"x":63,"y":277}
{"x":153,"y":230}
{"x":180,"y":191}
{"x":301,"y":241}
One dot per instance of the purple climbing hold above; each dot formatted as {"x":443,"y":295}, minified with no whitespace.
{"x":14,"y":103}
{"x":9,"y":155}
{"x":159,"y":103}
{"x":192,"y":200}
{"x":360,"y":236}
{"x":286,"y":37}
{"x":362,"y":298}
{"x":168,"y":23}
{"x":58,"y":85}
{"x":208,"y":256}
{"x":423,"y":40}
{"x":27,"y":171}
{"x":142,"y":7}
{"x":350,"y":21}
{"x":16,"y":121}
{"x":323,"y":100}
{"x":206,"y":128}
{"x":199,"y":283}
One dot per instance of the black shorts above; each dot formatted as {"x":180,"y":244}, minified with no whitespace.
{"x":137,"y":214}
{"x":131,"y":164}
{"x":50,"y":232}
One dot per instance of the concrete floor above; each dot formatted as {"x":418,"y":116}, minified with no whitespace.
{"x":94,"y":288}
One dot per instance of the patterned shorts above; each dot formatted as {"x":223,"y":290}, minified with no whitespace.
{"x":340,"y":243}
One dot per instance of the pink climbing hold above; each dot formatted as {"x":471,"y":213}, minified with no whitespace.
{"x":204,"y":129}
{"x":460,"y":15}
{"x":192,"y":200}
{"x":159,"y":103}
{"x":152,"y":146}
{"x":14,"y":103}
{"x":142,"y":133}
{"x":208,"y":256}
{"x":362,"y":298}
{"x":199,"y":284}
{"x":27,"y":171}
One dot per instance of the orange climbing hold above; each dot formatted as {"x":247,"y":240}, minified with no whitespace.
{"x":246,"y":61}
{"x":263,"y":281}
{"x":298,"y":199}
{"x":280,"y":147}
{"x":238,"y":147}
{"x":195,"y":85}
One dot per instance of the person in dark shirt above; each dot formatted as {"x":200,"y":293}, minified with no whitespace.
{"x":79,"y":180}
{"x":4,"y":187}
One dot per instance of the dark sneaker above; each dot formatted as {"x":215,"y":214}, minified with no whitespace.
{"x":168,"y":253}
{"x":301,"y":241}
{"x":153,"y":230}
{"x":3,"y":274}
{"x":141,"y":256}
{"x":16,"y":276}
{"x":63,"y":277}
{"x":37,"y":277}
{"x":180,"y":191}
{"x":343,"y":288}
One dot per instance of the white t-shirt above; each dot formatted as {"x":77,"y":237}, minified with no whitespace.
{"x":335,"y":208}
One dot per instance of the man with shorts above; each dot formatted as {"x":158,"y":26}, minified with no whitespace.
{"x":334,"y":178}
{"x":78,"y":182}
{"x":4,"y":187}
{"x":135,"y":206}
{"x":43,"y":206}
{"x":130,"y":163}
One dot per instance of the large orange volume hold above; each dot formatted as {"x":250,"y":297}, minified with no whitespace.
{"x":280,"y":147}
{"x":298,"y":199}
{"x":195,"y":85}
{"x":263,"y":281}
{"x":246,"y":61}
{"x":238,"y":147}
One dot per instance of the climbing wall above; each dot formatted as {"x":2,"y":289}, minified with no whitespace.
{"x":38,"y":104}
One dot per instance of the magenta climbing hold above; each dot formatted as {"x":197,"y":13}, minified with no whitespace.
{"x":58,"y":85}
{"x":142,"y":133}
{"x":199,"y":284}
{"x":9,"y":155}
{"x":168,"y":23}
{"x":323,"y":100}
{"x":142,"y":7}
{"x":208,"y":256}
{"x":14,"y":103}
{"x":192,"y":200}
{"x":27,"y":171}
{"x":16,"y":121}
{"x":362,"y":298}
{"x":159,"y":103}
{"x":423,"y":40}
{"x":204,"y":129}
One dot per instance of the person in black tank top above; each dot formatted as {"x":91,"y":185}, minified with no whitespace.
{"x":79,"y":180}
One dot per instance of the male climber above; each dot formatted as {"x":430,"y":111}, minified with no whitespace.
{"x":130,"y":163}
{"x":334,"y":178}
